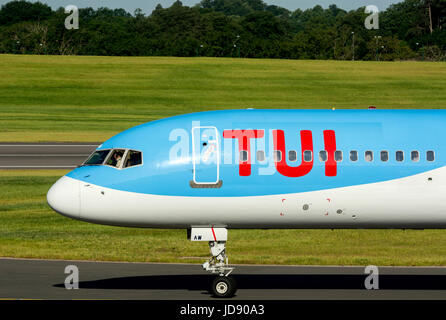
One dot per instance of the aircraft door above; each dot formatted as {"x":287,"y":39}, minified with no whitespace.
{"x":205,"y":156}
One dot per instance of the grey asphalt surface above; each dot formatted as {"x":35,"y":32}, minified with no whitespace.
{"x":44,"y":155}
{"x":44,"y":279}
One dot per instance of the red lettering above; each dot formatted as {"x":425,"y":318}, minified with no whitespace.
{"x":243,"y":137}
{"x":305,"y":167}
{"x":330,"y":147}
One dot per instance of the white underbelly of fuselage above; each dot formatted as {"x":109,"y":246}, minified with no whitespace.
{"x":417,"y":201}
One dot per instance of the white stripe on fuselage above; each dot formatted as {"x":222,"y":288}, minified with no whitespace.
{"x":410,"y":202}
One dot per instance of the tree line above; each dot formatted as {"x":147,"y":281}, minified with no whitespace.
{"x":411,"y":29}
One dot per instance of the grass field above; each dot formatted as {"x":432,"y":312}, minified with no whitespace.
{"x":55,"y":98}
{"x":69,"y":98}
{"x":29,"y":228}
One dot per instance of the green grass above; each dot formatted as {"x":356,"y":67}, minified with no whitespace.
{"x":70,"y":98}
{"x":30,"y":229}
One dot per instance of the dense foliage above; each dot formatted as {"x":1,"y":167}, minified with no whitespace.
{"x":412,"y":29}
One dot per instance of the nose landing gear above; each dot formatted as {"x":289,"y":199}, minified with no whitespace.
{"x":224,"y":285}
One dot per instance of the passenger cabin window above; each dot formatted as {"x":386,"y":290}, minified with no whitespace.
{"x":338,"y":156}
{"x":353,"y":155}
{"x":97,"y":157}
{"x":243,"y":156}
{"x":399,"y":156}
{"x":384,"y":156}
{"x":278,"y":156}
{"x":116,"y":158}
{"x":260,"y":155}
{"x":368,"y":156}
{"x":430,"y":156}
{"x":415,"y":156}
{"x":323,"y":155}
{"x":308,"y":156}
{"x":292,"y":155}
{"x":133,"y":158}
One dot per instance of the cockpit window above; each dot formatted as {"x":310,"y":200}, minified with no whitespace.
{"x":118,"y":158}
{"x":133,"y":158}
{"x":115,"y":159}
{"x":97,"y":157}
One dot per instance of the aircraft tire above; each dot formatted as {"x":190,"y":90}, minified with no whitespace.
{"x":223,"y":287}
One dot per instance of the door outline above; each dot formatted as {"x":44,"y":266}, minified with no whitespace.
{"x":217,"y":150}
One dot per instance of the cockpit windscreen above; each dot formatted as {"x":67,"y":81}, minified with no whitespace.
{"x":117,"y":158}
{"x":97,"y":157}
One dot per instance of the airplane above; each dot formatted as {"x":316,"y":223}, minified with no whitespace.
{"x":212,"y":171}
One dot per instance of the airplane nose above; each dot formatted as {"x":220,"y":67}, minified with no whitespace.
{"x":64,"y":197}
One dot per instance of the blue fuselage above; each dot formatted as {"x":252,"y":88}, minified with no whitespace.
{"x":175,"y":151}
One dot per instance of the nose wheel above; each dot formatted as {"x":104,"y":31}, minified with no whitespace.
{"x":223,"y":287}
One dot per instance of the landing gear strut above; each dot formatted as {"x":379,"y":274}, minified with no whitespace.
{"x":224,"y":285}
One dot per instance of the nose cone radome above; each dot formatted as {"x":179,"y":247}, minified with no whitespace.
{"x":64,"y":197}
